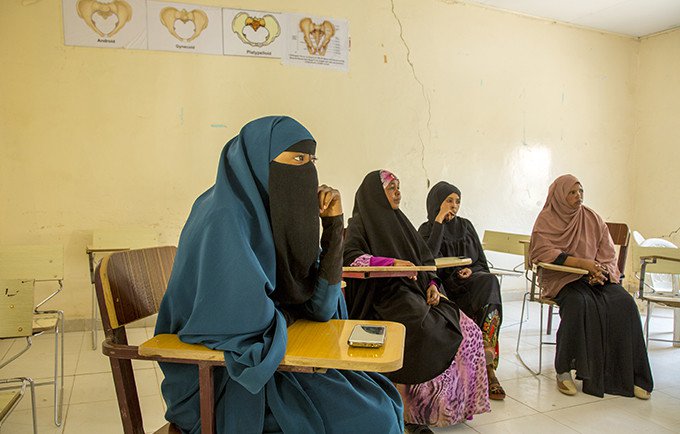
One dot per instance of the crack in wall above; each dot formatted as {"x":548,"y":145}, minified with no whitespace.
{"x":672,"y":233}
{"x":422,"y":87}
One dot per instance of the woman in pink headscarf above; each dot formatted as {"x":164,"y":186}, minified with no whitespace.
{"x":600,"y":334}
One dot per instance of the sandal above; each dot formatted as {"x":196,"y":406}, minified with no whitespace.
{"x":414,"y":428}
{"x":496,"y":391}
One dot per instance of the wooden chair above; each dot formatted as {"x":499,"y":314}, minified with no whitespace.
{"x":42,"y":264}
{"x":114,"y":240}
{"x":130,"y":285}
{"x":506,"y":243}
{"x":621,"y":237}
{"x":663,"y":261}
{"x":16,"y":321}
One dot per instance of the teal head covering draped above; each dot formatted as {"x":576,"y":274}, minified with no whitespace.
{"x":226,"y":256}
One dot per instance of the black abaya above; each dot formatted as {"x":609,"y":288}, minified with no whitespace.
{"x":600,"y":336}
{"x":432,"y":332}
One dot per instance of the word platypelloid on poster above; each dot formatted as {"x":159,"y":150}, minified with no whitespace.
{"x":297,"y":39}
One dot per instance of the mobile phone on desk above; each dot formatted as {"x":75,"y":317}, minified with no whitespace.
{"x":367,"y":336}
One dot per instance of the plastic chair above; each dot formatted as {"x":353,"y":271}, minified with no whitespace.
{"x":652,"y":259}
{"x":114,"y":240}
{"x":16,"y":319}
{"x":620,"y":235}
{"x":41,"y":264}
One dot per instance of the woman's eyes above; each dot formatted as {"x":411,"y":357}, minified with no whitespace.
{"x":301,"y":158}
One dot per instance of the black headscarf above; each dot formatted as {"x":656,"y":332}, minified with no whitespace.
{"x":294,"y":215}
{"x":459,"y":235}
{"x":432,"y":332}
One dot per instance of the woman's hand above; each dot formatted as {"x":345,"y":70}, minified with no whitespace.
{"x":597,"y":278}
{"x":433,"y":295}
{"x":464,"y":273}
{"x":405,"y":263}
{"x":330,"y":204}
{"x":445,"y":214}
{"x":590,"y":265}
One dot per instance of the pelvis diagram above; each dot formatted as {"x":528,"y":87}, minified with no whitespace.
{"x":89,"y":9}
{"x":169,"y":17}
{"x":251,"y":30}
{"x":317,"y":36}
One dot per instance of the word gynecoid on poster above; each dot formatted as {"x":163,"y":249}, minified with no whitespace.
{"x":183,"y":27}
{"x":107,"y":23}
{"x":253,"y":33}
{"x":317,"y":42}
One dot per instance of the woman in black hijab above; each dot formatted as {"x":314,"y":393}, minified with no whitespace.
{"x":473,"y":288}
{"x":443,"y":357}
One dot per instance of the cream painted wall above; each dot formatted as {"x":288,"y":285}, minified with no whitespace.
{"x":496,"y":103}
{"x":656,"y":194}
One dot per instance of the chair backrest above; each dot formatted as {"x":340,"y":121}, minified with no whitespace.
{"x":131,"y":284}
{"x":119,"y":239}
{"x":16,"y":308}
{"x":39,"y":262}
{"x":505,"y":242}
{"x":621,"y":236}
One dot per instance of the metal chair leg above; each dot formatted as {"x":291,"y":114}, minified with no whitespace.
{"x":519,"y":337}
{"x":59,"y":368}
{"x":540,"y":341}
{"x":95,"y":317}
{"x":649,"y":316}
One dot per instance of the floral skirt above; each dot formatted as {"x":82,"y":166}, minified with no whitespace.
{"x":458,"y":393}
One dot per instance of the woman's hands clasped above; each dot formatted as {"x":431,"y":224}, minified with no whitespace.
{"x":597,"y":273}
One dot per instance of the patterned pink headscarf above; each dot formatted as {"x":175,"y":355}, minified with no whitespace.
{"x":578,"y":232}
{"x":386,"y":177}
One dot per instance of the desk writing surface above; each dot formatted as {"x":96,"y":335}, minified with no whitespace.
{"x":391,"y":268}
{"x":310,"y":344}
{"x":452,"y":261}
{"x":384,"y":272}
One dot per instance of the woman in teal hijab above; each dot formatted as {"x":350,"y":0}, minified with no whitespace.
{"x":248,"y":265}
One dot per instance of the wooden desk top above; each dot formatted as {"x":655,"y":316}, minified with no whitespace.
{"x":562,"y":268}
{"x":369,"y":272}
{"x":90,"y":249}
{"x":310,"y":344}
{"x":660,"y":257}
{"x":452,"y":261}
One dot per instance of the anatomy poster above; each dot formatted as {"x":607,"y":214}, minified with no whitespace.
{"x":253,"y":33}
{"x":187,"y":28}
{"x":317,"y":42}
{"x":105,"y":23}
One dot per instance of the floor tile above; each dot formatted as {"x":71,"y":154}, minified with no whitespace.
{"x":44,"y":395}
{"x":509,"y":408}
{"x":606,"y":416}
{"x":20,"y":422}
{"x":533,"y":424}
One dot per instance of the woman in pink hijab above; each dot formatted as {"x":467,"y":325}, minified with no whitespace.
{"x":600,"y":333}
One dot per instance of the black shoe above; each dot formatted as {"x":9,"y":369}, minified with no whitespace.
{"x":414,"y":428}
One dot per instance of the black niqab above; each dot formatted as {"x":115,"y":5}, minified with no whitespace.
{"x":294,"y":215}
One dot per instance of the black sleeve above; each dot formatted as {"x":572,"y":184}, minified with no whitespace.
{"x":330,"y":259}
{"x":481,"y":257}
{"x":560,"y":259}
{"x":433,"y":234}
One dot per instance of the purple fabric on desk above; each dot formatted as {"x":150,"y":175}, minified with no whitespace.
{"x":372,"y":261}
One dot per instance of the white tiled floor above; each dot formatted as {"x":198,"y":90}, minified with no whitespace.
{"x":533,"y":404}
